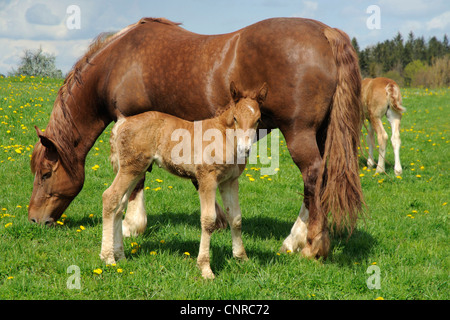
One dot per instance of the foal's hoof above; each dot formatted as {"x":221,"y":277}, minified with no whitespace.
{"x":208,"y":274}
{"x":318,"y":247}
{"x":398,"y":172}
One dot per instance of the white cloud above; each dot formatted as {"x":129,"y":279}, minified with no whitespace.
{"x":309,"y":9}
{"x":441,"y":22}
{"x":41,"y":14}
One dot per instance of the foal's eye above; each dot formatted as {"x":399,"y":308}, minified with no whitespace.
{"x":47,"y":175}
{"x":235,"y":121}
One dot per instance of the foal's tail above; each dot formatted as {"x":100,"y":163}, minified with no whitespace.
{"x":394,"y":97}
{"x":338,"y":183}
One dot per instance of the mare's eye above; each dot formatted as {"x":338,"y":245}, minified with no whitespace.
{"x":47,"y":175}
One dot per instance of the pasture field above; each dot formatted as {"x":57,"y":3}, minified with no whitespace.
{"x":401,"y":249}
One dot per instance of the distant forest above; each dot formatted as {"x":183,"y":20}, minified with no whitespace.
{"x":415,"y":62}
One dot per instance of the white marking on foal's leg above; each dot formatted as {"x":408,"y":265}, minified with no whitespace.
{"x":135,"y":221}
{"x":297,"y":238}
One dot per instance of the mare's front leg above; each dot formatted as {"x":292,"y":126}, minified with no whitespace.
{"x":207,"y":192}
{"x":135,"y":221}
{"x":229,"y":191}
{"x":114,"y":201}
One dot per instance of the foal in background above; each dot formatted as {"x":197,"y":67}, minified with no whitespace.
{"x":153,"y":137}
{"x":381,"y":96}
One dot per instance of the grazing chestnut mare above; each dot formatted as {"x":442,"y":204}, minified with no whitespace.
{"x":381,"y":96}
{"x":156,"y":65}
{"x":152,"y":137}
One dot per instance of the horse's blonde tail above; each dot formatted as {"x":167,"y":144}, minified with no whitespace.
{"x":394,"y":97}
{"x":338,"y":183}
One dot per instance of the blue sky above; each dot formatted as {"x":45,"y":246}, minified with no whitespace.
{"x":30,"y":24}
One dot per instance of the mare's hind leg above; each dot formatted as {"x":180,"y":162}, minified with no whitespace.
{"x":315,"y":242}
{"x":394,"y":118}
{"x":229,"y":191}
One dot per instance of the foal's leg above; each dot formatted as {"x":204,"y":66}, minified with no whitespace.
{"x":229,"y":191}
{"x":371,"y":142}
{"x":382,"y":141}
{"x":221,"y":220}
{"x":114,"y":201}
{"x":207,"y":193}
{"x":394,"y":119}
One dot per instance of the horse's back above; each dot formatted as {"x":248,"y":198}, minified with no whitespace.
{"x":172,"y":70}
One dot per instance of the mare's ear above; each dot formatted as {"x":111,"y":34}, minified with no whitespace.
{"x":235,"y":93}
{"x":262,"y":94}
{"x":50,"y":146}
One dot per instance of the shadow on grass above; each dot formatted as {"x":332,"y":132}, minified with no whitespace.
{"x":343,"y":251}
{"x":346,"y":251}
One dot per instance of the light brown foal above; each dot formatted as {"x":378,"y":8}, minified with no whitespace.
{"x":153,"y":137}
{"x":381,"y":96}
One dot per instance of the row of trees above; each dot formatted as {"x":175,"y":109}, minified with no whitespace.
{"x":414,"y":62}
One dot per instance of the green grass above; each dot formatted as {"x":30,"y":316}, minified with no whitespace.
{"x":405,"y":234}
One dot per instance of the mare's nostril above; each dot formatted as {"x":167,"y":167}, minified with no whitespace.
{"x":48,"y":222}
{"x":33,"y":220}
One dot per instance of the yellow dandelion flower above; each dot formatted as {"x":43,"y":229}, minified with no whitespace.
{"x":119,"y":270}
{"x":187,"y":254}
{"x":10,"y":278}
{"x":158,"y":180}
{"x":157,"y":189}
{"x":8,"y":225}
{"x":98,"y":271}
{"x":379,"y":298}
{"x":153,"y":253}
{"x":361,"y":174}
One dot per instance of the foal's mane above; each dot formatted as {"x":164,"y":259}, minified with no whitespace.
{"x":61,"y":128}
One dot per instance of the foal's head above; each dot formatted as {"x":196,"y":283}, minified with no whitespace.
{"x":246,"y":116}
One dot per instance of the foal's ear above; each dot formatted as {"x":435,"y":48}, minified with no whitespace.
{"x":52,"y":150}
{"x":262,"y":94}
{"x":235,"y":93}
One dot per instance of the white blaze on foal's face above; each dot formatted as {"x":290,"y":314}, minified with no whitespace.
{"x":246,"y":119}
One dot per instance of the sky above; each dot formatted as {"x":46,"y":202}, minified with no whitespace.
{"x":66,"y":27}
